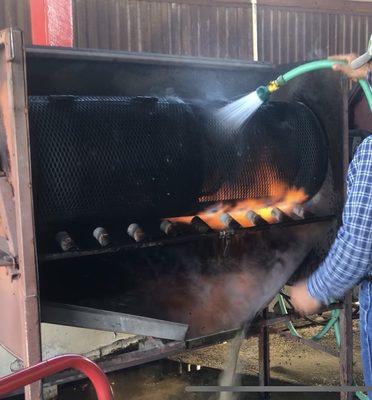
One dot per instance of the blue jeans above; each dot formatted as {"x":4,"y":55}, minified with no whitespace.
{"x":365,"y":301}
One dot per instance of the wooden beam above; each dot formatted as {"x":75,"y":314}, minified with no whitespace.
{"x":338,"y":6}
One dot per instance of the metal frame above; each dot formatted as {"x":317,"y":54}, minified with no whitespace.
{"x":264,"y":356}
{"x":346,"y":322}
{"x":153,"y":58}
{"x":147,"y":350}
{"x":187,"y":238}
{"x":20,"y":328}
{"x":20,"y":332}
{"x":92,"y":318}
{"x":39,"y":371}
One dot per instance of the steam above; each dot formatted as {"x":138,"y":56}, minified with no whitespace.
{"x":272,"y":282}
{"x":229,"y":376}
{"x":224,"y":291}
{"x":283,"y":267}
{"x":228,"y":291}
{"x":220,"y":286}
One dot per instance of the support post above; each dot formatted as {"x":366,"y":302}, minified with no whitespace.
{"x":254,"y":30}
{"x":264,"y":356}
{"x":346,"y":348}
{"x":19,"y":296}
{"x":346,"y":321}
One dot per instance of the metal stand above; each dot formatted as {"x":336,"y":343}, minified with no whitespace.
{"x":264,"y":356}
{"x":345,"y":353}
{"x":346,"y":348}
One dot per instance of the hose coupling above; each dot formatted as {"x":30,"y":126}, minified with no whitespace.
{"x":277,"y":84}
{"x":273,"y":86}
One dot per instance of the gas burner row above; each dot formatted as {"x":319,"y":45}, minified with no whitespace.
{"x":196,"y":226}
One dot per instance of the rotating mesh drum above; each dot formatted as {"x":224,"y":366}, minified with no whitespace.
{"x":282,"y":146}
{"x":100,"y":159}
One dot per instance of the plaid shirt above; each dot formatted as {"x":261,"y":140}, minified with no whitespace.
{"x":350,"y":257}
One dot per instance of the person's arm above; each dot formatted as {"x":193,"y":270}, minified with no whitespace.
{"x":349,"y":259}
{"x":354,"y":74}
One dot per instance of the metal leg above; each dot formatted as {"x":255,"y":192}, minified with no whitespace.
{"x":264,"y":357}
{"x":50,"y":392}
{"x":346,"y":349}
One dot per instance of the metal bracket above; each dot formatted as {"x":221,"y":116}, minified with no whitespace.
{"x":7,"y":213}
{"x":6,"y":39}
{"x":10,"y":264}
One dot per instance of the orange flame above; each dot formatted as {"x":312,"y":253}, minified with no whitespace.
{"x":285,"y":199}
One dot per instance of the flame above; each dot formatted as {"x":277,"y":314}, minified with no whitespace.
{"x":283,"y":198}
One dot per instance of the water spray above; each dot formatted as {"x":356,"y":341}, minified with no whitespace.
{"x":239,"y":111}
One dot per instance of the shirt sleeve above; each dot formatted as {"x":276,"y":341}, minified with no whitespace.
{"x":349,"y":259}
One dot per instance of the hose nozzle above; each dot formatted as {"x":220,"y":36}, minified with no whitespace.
{"x":263,"y":93}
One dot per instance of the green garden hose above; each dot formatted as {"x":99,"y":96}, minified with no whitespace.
{"x":304,"y":68}
{"x":367,"y":91}
{"x":330,"y":324}
{"x":333,"y":322}
{"x":264,"y":92}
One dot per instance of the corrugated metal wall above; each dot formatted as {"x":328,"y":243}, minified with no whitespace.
{"x":209,"y":29}
{"x":287,"y":30}
{"x":293,"y":35}
{"x":16,"y":13}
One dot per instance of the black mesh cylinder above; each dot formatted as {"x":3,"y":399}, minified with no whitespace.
{"x":99,"y":159}
{"x":282,"y":146}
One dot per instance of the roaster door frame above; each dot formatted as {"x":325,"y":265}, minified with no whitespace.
{"x":19,"y":296}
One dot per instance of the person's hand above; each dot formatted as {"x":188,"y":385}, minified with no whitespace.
{"x":302,"y":301}
{"x":353,"y":74}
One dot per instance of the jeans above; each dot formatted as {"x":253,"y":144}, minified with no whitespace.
{"x":365,"y":301}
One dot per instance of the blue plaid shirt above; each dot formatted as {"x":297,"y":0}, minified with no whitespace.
{"x":350,"y":257}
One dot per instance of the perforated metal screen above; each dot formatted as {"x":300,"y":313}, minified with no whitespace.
{"x":98,"y":159}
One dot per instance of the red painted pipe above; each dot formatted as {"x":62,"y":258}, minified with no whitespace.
{"x":99,"y":380}
{"x":52,"y":22}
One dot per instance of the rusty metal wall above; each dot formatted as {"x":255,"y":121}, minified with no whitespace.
{"x":16,"y":14}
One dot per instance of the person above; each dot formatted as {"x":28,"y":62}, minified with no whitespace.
{"x":349,"y":261}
